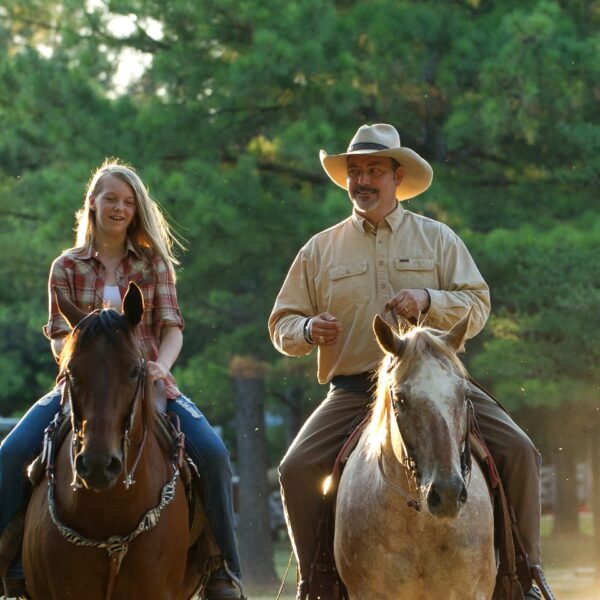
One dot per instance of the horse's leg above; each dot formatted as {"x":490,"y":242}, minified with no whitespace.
{"x":45,"y":551}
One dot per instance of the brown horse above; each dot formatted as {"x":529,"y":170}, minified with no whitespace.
{"x":112,"y":519}
{"x":411,"y":520}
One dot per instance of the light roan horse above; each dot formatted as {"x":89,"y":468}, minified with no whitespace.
{"x":411,"y":521}
{"x":113,"y":520}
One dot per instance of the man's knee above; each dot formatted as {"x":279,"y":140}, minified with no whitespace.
{"x":518,"y":452}
{"x":295,"y":470}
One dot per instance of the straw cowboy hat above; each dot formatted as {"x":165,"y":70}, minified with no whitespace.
{"x":382,"y":139}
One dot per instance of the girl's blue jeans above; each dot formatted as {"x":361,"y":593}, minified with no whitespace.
{"x":204,"y":446}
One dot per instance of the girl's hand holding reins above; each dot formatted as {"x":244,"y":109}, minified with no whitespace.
{"x":156,"y":370}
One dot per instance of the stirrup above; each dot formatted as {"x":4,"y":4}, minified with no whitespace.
{"x":235,"y":580}
{"x":538,"y":576}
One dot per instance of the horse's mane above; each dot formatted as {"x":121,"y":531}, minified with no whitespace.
{"x":420,"y":342}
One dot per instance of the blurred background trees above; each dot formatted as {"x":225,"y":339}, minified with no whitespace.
{"x":223,"y":106}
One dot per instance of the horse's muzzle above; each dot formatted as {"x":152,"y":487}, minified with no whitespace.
{"x":445,"y":498}
{"x":98,"y":472}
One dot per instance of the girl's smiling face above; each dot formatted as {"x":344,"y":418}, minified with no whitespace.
{"x":114,"y":206}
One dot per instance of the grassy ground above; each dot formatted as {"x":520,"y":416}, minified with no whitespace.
{"x":568,"y":564}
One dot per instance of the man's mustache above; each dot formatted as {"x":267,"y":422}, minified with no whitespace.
{"x":362,"y":190}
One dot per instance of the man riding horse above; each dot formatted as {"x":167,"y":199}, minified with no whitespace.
{"x":382,"y":258}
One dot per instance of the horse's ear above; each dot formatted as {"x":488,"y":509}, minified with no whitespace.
{"x":456,"y":337}
{"x":133,"y":304}
{"x":66,"y":308}
{"x":387,"y":338}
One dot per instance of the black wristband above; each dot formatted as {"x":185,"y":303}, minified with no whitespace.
{"x":306,"y":331}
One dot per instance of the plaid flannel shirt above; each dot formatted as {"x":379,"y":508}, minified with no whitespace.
{"x":80,"y":275}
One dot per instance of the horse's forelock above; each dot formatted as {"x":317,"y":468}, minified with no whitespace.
{"x":423,"y":341}
{"x":107,"y":322}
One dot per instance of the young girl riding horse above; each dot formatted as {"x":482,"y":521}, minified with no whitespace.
{"x":123,"y":237}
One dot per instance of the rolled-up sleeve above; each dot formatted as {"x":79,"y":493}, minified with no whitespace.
{"x":57,"y":326}
{"x":165,"y":310}
{"x":462,"y":287}
{"x":294,"y":304}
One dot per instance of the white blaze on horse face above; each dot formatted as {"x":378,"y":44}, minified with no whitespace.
{"x":433,"y":380}
{"x":435,"y":398}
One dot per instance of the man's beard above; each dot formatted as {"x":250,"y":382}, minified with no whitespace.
{"x":366,"y":204}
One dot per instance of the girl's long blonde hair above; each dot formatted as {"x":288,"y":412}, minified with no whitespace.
{"x":149,"y":229}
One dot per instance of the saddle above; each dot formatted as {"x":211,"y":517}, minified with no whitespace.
{"x":203,"y":550}
{"x":514,"y":575}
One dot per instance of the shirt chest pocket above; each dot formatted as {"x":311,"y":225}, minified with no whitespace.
{"x":350,"y":283}
{"x":410,"y":273}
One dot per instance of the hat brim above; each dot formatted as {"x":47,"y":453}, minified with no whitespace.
{"x":417,"y":177}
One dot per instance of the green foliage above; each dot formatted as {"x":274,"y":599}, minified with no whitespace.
{"x":545,"y":337}
{"x":225,"y":125}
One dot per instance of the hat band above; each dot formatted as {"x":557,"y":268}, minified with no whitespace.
{"x":367,"y":146}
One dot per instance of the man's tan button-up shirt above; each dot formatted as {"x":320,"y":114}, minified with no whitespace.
{"x":353,"y":269}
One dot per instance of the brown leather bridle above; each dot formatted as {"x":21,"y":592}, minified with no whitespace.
{"x":76,"y":437}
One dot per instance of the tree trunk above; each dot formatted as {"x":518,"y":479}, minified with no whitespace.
{"x":595,"y":504}
{"x":297,"y":417}
{"x":256,"y":548}
{"x":566,"y":513}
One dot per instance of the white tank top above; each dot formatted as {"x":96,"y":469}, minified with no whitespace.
{"x":112,"y":297}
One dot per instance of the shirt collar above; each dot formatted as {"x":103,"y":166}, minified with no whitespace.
{"x":90,"y":251}
{"x":394,"y":219}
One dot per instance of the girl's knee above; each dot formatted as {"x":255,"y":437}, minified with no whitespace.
{"x":13,"y":455}
{"x":211,"y":452}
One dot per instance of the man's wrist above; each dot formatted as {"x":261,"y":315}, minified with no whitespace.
{"x":307,"y":333}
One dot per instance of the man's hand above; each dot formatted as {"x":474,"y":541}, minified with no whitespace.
{"x":410,"y":304}
{"x":325,"y":329}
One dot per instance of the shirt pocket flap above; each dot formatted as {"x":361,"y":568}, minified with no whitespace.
{"x":356,"y":268}
{"x":414,"y":264}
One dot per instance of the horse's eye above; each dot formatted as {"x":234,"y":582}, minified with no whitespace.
{"x":399,"y":399}
{"x":135,"y":373}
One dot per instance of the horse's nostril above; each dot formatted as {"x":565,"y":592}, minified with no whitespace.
{"x":81,"y":465}
{"x":114,"y":467}
{"x":98,"y":471}
{"x":433,"y":498}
